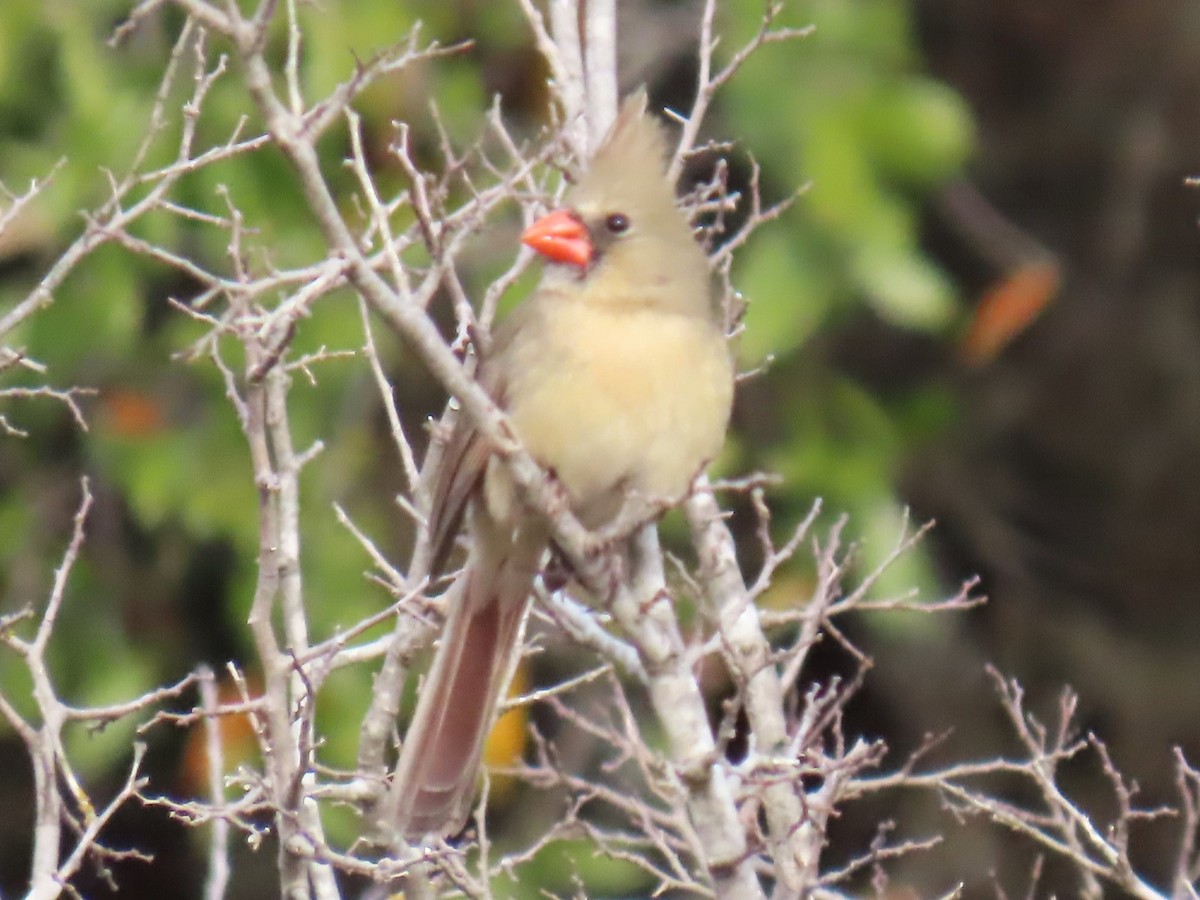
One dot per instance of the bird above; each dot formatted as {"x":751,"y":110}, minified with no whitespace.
{"x":616,"y":376}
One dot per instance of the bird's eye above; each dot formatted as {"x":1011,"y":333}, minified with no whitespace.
{"x":617,"y":223}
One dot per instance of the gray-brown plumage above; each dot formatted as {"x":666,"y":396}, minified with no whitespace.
{"x":616,"y":377}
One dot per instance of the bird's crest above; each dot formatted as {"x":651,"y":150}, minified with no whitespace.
{"x":635,"y":139}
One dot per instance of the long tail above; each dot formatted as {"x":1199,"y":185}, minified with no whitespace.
{"x":439,"y":762}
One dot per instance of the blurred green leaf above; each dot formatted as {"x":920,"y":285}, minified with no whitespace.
{"x":905,"y":288}
{"x":919,"y":130}
{"x":558,"y":861}
{"x":778,"y":319}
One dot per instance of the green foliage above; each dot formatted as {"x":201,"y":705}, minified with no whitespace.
{"x":847,"y":112}
{"x":565,"y":864}
{"x":870,"y":134}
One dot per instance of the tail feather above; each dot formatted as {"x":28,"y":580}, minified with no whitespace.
{"x":435,"y":777}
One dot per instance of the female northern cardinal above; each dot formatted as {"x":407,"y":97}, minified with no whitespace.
{"x":616,"y":377}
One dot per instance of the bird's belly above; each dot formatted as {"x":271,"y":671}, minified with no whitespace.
{"x":626,"y":405}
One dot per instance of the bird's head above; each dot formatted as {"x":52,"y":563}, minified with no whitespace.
{"x":620,"y":231}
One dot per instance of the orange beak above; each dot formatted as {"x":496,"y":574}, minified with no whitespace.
{"x":561,"y":238}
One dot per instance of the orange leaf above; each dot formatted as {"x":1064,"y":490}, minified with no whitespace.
{"x":1008,"y":309}
{"x":133,"y":413}
{"x":235,"y":733}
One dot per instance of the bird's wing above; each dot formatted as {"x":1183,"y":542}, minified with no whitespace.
{"x":461,"y":470}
